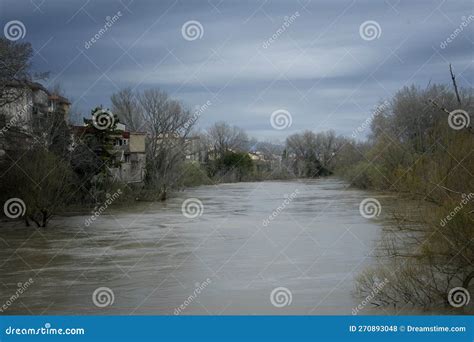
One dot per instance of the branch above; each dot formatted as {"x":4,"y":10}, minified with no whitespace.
{"x":454,"y":84}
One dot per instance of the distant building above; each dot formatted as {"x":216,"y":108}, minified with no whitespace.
{"x":26,"y":102}
{"x":194,"y":150}
{"x":129,"y":151}
{"x":30,"y":100}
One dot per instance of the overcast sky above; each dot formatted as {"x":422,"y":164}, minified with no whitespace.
{"x":320,"y":67}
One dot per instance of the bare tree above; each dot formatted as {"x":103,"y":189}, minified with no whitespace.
{"x":224,"y":137}
{"x":311,"y":154}
{"x":168,"y":126}
{"x":127,"y":108}
{"x":302,"y":154}
{"x":15,"y":70}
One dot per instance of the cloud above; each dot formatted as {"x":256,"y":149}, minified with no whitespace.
{"x":318,"y":67}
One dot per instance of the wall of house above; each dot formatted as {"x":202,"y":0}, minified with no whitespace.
{"x":132,"y":167}
{"x":132,"y":170}
{"x":137,"y":143}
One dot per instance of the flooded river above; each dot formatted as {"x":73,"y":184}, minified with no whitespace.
{"x":305,"y":241}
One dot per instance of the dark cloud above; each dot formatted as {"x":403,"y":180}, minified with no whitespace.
{"x":247,"y":62}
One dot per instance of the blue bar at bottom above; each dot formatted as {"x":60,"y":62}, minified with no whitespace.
{"x":237,"y":328}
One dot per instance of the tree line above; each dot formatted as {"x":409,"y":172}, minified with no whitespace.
{"x":420,"y":147}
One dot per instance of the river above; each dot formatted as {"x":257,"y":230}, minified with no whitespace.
{"x":154,"y":260}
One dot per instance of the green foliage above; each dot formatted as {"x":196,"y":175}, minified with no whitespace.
{"x":194,"y":174}
{"x":232,"y":166}
{"x":237,"y":160}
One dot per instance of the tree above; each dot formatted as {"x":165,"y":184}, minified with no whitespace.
{"x":169,"y":126}
{"x":15,"y":70}
{"x":127,"y":107}
{"x":302,"y":151}
{"x":224,"y":137}
{"x":91,"y":157}
{"x":52,"y":132}
{"x":414,"y":151}
{"x":42,"y":181}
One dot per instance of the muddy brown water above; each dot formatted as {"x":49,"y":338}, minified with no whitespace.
{"x":155,"y":260}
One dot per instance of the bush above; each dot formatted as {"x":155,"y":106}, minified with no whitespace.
{"x":232,"y":167}
{"x":43,"y":182}
{"x":194,"y":174}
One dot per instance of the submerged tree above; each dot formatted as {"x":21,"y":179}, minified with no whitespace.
{"x":311,"y":155}
{"x":43,"y":181}
{"x":169,"y":126}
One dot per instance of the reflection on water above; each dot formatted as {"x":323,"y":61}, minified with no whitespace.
{"x":153,"y":257}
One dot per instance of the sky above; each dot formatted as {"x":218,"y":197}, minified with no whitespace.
{"x":314,"y":65}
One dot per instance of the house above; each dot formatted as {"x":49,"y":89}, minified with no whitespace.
{"x":194,"y":150}
{"x":24,"y":103}
{"x":58,"y":103}
{"x":126,"y":150}
{"x":129,"y":152}
{"x":28,"y":100}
